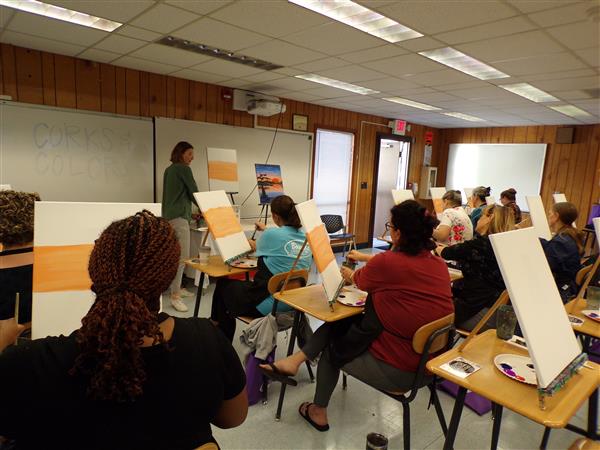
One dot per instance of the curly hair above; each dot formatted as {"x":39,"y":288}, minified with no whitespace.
{"x":16,"y":217}
{"x":132,"y":263}
{"x":416,"y":226}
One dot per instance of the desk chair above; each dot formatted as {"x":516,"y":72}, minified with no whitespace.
{"x":334,"y":224}
{"x":434,"y":337}
{"x":582,"y":274}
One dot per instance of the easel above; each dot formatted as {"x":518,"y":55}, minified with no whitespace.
{"x":585,"y":284}
{"x":264,"y":210}
{"x":231,"y":197}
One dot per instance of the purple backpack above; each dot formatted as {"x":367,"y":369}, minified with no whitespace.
{"x":255,"y":379}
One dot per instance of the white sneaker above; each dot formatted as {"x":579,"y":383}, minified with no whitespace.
{"x":178,"y":304}
{"x":185,"y":293}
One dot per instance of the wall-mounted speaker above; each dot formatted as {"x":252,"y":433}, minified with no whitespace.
{"x":565,"y":135}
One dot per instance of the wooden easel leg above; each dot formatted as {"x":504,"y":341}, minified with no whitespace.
{"x":502,"y":300}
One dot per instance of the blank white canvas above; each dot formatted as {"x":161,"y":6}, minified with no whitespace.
{"x":559,"y":198}
{"x":596,"y":221}
{"x":537,"y":303}
{"x":538,"y":216}
{"x":224,"y":155}
{"x":400,"y":195}
{"x":500,"y":166}
{"x":468,"y":194}
{"x":490,"y":200}
{"x":437,"y":192}
{"x":5,"y":187}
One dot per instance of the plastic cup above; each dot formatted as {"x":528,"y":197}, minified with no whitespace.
{"x":592,"y":297}
{"x":376,"y":441}
{"x":203,"y":254}
{"x":506,"y":322}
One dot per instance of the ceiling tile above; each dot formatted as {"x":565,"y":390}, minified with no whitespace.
{"x":539,"y":64}
{"x":200,"y":7}
{"x":577,"y":35}
{"x":489,"y":30}
{"x":274,"y":18}
{"x":164,"y":19}
{"x":5,"y":15}
{"x":234,"y":83}
{"x":102,"y":56}
{"x":558,"y":16}
{"x":143,"y":64}
{"x":170,"y":55}
{"x":531,"y":43}
{"x":430,"y":16}
{"x":440,"y":77}
{"x":389,"y":84}
{"x":432,"y":97}
{"x":529,"y":6}
{"x":421,"y":44}
{"x":120,"y":11}
{"x":218,"y":34}
{"x":226,"y":68}
{"x":577,"y":94}
{"x":481,"y":93}
{"x":405,"y":64}
{"x":321,"y":64}
{"x":372,"y":54}
{"x":561,"y":74}
{"x":58,"y":30}
{"x":473,"y":83}
{"x":37,"y":43}
{"x":264,"y":76}
{"x":196,"y":75}
{"x":293,"y":84}
{"x":352,"y":74}
{"x":138,"y":33}
{"x":569,"y":83}
{"x":282,"y":53}
{"x":327,"y":92}
{"x":591,"y":106}
{"x":119,"y":44}
{"x":304,"y":97}
{"x":334,"y":38}
{"x":590,"y":56}
{"x":288,"y":71}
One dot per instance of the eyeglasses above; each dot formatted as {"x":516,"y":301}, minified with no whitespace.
{"x":389,"y":226}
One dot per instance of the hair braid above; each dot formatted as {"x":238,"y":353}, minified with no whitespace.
{"x":132,"y":263}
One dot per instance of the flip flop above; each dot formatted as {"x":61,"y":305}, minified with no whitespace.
{"x":306,"y":417}
{"x":277,"y":375}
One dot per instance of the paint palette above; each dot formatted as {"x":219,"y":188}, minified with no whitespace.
{"x":244,"y":263}
{"x":517,"y":367}
{"x":352,"y":296}
{"x":592,"y":314}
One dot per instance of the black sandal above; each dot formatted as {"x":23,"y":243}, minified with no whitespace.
{"x":306,"y":416}
{"x":277,"y":375}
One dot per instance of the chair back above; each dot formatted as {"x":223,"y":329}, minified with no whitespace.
{"x":582,"y":273}
{"x":208,"y":446}
{"x":298,"y":279}
{"x":426,"y":340}
{"x":333,"y":223}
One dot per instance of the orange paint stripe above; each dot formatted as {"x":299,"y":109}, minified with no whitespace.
{"x":222,"y":221}
{"x":61,"y":268}
{"x":221,"y":170}
{"x":438,"y":205}
{"x":318,"y":240}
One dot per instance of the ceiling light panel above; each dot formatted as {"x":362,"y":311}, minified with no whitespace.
{"x":337,"y":84}
{"x":67,"y":15}
{"x":529,"y":92}
{"x":464,"y":63}
{"x":404,"y":101}
{"x":361,"y":18}
{"x":570,"y":110}
{"x":227,"y":55}
{"x":464,"y":116}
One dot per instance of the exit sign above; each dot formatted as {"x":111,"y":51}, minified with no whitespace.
{"x":399,"y":127}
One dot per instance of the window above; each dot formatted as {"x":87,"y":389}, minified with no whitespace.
{"x":333,"y":172}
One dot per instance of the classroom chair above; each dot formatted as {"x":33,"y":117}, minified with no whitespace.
{"x":334,"y":224}
{"x":208,"y":446}
{"x":434,"y":337}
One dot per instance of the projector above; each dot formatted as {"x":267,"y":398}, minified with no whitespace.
{"x":263,"y":107}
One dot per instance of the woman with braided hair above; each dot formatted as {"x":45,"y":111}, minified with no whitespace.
{"x":109,"y":384}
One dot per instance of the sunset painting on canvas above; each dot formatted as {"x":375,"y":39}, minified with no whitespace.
{"x":269,"y":182}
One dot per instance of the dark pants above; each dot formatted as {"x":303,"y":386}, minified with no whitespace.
{"x":364,"y":367}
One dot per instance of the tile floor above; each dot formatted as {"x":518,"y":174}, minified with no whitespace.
{"x":361,"y":410}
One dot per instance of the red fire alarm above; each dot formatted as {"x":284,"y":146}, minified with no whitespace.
{"x":227,"y":94}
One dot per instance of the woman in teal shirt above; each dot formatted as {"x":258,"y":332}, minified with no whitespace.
{"x":277,"y":249}
{"x":479,"y":203}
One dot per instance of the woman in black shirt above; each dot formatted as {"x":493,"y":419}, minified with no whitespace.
{"x":116,"y":382}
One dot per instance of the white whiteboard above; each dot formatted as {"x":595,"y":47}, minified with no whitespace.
{"x":68,"y":155}
{"x":292,"y":151}
{"x":500,"y":166}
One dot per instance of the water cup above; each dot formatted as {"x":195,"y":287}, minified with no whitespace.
{"x":376,"y":441}
{"x":592,"y":297}
{"x":203,"y":254}
{"x":506,"y":322}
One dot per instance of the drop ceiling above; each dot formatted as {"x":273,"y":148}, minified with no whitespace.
{"x":553,"y":45}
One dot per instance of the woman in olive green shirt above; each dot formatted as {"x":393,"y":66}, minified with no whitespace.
{"x":178,"y":194}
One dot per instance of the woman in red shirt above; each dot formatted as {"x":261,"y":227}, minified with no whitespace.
{"x":408,"y":287}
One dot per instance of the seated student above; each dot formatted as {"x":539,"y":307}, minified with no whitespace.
{"x":509,"y":198}
{"x":276,"y":248}
{"x":408,"y":287}
{"x":113,"y":383}
{"x":16,"y":253}
{"x":477,"y":201}
{"x":455,"y":226}
{"x":482,"y":281}
{"x":564,"y":250}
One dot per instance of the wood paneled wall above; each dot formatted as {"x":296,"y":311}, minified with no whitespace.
{"x":573,"y":169}
{"x":33,"y":76}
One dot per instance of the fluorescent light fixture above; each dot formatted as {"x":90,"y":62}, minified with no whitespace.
{"x":571,"y":110}
{"x":337,"y":84}
{"x":404,"y":101}
{"x":464,"y":116}
{"x":464,"y":63}
{"x":529,"y":92}
{"x":361,"y":18}
{"x":56,"y":12}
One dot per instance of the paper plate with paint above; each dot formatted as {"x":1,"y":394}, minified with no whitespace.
{"x":244,"y":263}
{"x":517,"y":367}
{"x":592,"y":314}
{"x":352,"y":296}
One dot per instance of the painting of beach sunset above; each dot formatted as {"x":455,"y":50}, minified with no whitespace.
{"x":269,"y":182}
